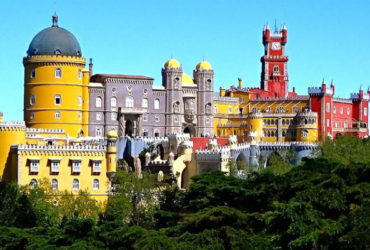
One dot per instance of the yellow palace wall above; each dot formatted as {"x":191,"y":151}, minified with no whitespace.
{"x":65,"y":175}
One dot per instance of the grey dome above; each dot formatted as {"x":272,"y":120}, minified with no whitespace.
{"x":54,"y":41}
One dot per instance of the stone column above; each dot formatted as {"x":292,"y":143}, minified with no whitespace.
{"x":122,"y":124}
{"x":138,"y":126}
{"x":279,"y":129}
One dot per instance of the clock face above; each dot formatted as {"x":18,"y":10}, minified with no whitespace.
{"x":275,"y":45}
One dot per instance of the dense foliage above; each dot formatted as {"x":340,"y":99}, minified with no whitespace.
{"x":324,"y":203}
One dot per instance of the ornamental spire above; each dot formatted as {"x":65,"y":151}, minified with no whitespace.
{"x":55,"y":20}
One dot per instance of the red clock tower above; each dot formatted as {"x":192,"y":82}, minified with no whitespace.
{"x":274,"y":76}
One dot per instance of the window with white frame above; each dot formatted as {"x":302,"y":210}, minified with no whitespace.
{"x":254,"y":109}
{"x":113,"y":102}
{"x":33,"y":73}
{"x":242,"y":99}
{"x":145,"y":118}
{"x":96,"y":166}
{"x":230,"y":109}
{"x":268,"y":109}
{"x":365,"y":111}
{"x":145,"y":103}
{"x":55,"y":165}
{"x":98,"y":132}
{"x":341,"y":110}
{"x":215,"y":109}
{"x":95,"y":184}
{"x":32,"y":99}
{"x":328,"y":107}
{"x":75,"y":184}
{"x":113,"y":116}
{"x":348,"y":111}
{"x":282,"y":109}
{"x":129,"y":103}
{"x":345,"y":124}
{"x":58,"y":72}
{"x":79,"y":74}
{"x":98,"y":102}
{"x":327,"y":122}
{"x":334,"y":109}
{"x":76,"y":166}
{"x":32,"y":115}
{"x":34,"y":165}
{"x":156,"y":118}
{"x":336,"y":124}
{"x":156,"y":104}
{"x":54,"y":184}
{"x":57,"y":114}
{"x":33,"y":183}
{"x":295,"y":109}
{"x":98,"y":116}
{"x":57,"y":99}
{"x":79,"y":100}
{"x":276,"y":69}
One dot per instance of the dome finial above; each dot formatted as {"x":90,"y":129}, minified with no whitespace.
{"x":55,"y":20}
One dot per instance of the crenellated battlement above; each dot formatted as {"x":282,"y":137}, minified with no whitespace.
{"x":74,"y":148}
{"x":12,"y":126}
{"x":45,"y":131}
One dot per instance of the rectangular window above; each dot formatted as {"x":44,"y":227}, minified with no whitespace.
{"x":348,"y":111}
{"x":76,"y":166}
{"x":327,"y":122}
{"x":98,"y":116}
{"x":79,"y":74}
{"x":34,"y":165}
{"x":57,"y":99}
{"x":365,"y":111}
{"x":341,"y":110}
{"x":327,"y":107}
{"x":241,"y":99}
{"x":33,"y":73}
{"x":32,"y":99}
{"x":57,"y":114}
{"x":295,"y":109}
{"x":58,"y":72}
{"x":55,"y":164}
{"x":145,"y":118}
{"x":96,"y":166}
{"x":230,"y":109}
{"x":98,"y":132}
{"x":79,"y":100}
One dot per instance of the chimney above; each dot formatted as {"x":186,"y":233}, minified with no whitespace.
{"x":240,"y":82}
{"x":91,"y":67}
{"x":293,"y":89}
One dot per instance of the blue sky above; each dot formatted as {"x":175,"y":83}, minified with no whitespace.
{"x":326,"y":39}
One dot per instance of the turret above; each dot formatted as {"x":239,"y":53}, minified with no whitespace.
{"x":285,"y":34}
{"x":111,"y":154}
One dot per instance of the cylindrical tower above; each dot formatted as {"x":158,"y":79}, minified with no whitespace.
{"x":55,"y":85}
{"x":111,"y":153}
{"x":255,"y":125}
{"x":307,"y":127}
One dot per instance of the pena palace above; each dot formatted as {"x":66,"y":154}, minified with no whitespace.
{"x":78,"y":123}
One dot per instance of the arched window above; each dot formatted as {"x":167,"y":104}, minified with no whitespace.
{"x":32,"y":99}
{"x":113,"y":102}
{"x":33,"y":183}
{"x":75,"y":184}
{"x":95,"y":184}
{"x":98,"y":102}
{"x":145,"y":103}
{"x":348,"y":111}
{"x":54,"y":184}
{"x":129,"y":103}
{"x":58,"y":72}
{"x":276,"y":69}
{"x":304,"y":133}
{"x":156,"y":104}
{"x":215,"y":109}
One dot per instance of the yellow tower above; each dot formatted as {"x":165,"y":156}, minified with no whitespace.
{"x":255,"y":123}
{"x":307,"y":127}
{"x":56,"y":87}
{"x":10,"y":133}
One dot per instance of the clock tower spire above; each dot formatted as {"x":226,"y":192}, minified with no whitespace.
{"x":274,"y":75}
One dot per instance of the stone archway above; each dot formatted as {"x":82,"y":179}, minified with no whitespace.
{"x":189,"y":130}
